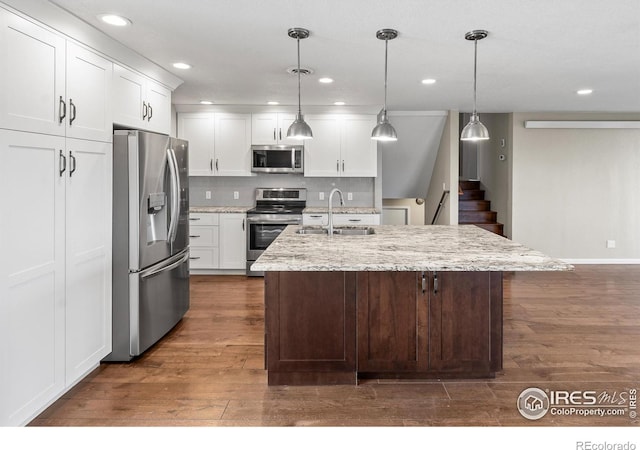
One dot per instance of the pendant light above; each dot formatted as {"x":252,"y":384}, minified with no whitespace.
{"x":475,"y":130}
{"x":299,"y":129}
{"x":384,"y":131}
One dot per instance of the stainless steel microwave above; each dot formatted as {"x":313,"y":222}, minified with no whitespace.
{"x":277,"y":158}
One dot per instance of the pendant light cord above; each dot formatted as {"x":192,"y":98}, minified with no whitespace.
{"x":475,"y":64}
{"x":299,"y":102}
{"x":386,"y":46}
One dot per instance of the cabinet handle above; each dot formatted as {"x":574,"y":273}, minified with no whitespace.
{"x":73,"y":163}
{"x":194,"y":235}
{"x":343,"y":165}
{"x":315,"y":216}
{"x":337,"y":165}
{"x":150,"y":112}
{"x":62,"y":110}
{"x":194,"y":257}
{"x":73,"y":111}
{"x":424,"y":283}
{"x":355,"y":220}
{"x":144,"y":110}
{"x":274,"y":134}
{"x":280,"y":133}
{"x":216,"y":164}
{"x":63,"y":163}
{"x":211,"y":164}
{"x":435,"y":283}
{"x":243,"y":224}
{"x":194,"y":218}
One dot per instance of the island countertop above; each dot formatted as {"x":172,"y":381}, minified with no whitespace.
{"x":404,"y":248}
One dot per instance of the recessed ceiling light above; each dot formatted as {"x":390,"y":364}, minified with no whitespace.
{"x":584,"y":91}
{"x":326,"y":80}
{"x":181,"y":65}
{"x":115,"y":20}
{"x":428,"y":81}
{"x":338,"y":103}
{"x":273,"y":103}
{"x":206,"y":102}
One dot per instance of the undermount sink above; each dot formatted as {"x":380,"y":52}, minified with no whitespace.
{"x":344,"y":231}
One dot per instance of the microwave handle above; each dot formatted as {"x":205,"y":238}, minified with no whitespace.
{"x":293,"y":158}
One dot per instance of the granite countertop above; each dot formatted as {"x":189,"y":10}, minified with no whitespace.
{"x":463,"y":248}
{"x":219,"y":209}
{"x":341,"y":210}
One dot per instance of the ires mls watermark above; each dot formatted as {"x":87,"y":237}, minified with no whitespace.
{"x":534,"y":403}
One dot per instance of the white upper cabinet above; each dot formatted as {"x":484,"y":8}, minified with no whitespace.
{"x":219,"y":143}
{"x":52,"y":86}
{"x":341,"y":146}
{"x":140,"y":103}
{"x":89,"y":114}
{"x":271,"y":128}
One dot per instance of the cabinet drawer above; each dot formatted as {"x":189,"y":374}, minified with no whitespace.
{"x":203,"y":258}
{"x":203,"y":219}
{"x":205,"y":236}
{"x":356,"y":219}
{"x":315,"y":219}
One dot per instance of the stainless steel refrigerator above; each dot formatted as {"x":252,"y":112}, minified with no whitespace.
{"x":150,"y":239}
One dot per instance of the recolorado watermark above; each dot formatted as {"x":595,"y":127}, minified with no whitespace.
{"x":534,"y":403}
{"x":588,"y":445}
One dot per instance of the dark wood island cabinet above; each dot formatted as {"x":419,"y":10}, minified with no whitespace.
{"x":331,"y":318}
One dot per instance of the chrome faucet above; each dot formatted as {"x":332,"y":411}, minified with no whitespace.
{"x":333,"y":191}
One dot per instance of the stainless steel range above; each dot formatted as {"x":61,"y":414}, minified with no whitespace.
{"x":275,"y":209}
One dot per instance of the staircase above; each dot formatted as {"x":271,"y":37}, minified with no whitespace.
{"x":474,"y":209}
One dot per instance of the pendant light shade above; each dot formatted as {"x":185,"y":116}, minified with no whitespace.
{"x":299,"y":129}
{"x":475,"y":130}
{"x":384,"y":131}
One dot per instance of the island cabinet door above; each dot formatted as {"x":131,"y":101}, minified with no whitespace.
{"x":310,"y":327}
{"x":465,"y":322}
{"x":392,"y":322}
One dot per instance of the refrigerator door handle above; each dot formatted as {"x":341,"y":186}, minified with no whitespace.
{"x":167,"y":265}
{"x":175,"y":194}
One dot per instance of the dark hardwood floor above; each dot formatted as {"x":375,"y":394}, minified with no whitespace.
{"x":562,"y":331}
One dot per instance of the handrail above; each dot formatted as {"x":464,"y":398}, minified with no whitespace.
{"x":440,"y":205}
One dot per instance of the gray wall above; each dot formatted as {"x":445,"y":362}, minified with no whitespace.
{"x":574,"y":189}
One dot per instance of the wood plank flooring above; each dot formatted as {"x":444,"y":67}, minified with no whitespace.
{"x":562,"y":331}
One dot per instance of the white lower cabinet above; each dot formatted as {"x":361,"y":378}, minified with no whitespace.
{"x":217,"y":241}
{"x":55,"y":270}
{"x":341,"y":219}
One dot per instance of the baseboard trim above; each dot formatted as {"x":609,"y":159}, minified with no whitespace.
{"x":601,"y":261}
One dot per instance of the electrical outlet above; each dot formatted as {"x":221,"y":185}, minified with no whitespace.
{"x":611,"y":244}
{"x":207,"y":195}
{"x":236,"y":195}
{"x":321,"y":196}
{"x":349,"y":195}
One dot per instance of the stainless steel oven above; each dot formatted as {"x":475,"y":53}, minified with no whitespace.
{"x":275,"y":209}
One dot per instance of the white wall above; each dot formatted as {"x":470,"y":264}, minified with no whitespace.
{"x":574,"y":189}
{"x":445,"y":172}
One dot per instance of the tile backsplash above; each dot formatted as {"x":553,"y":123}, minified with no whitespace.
{"x":223,"y":189}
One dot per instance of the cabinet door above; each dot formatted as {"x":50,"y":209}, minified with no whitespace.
{"x":129,"y":91}
{"x":32,"y":274}
{"x":232,"y":144}
{"x":359,"y":151}
{"x":158,"y":108}
{"x":264,"y":129}
{"x":88,"y":255}
{"x":233,"y":241}
{"x":88,"y":95}
{"x":392,"y":322}
{"x":322,"y":153}
{"x":32,"y":76}
{"x":284,"y":122}
{"x":460,"y":333}
{"x":198,"y":129}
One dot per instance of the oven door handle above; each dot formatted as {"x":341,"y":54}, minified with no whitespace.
{"x":275,"y":222}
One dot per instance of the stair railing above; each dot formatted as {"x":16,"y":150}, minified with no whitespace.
{"x":440,"y":206}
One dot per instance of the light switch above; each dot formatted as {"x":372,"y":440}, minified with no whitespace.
{"x":349,"y":195}
{"x":236,"y":195}
{"x":321,"y":196}
{"x":611,"y":244}
{"x":207,"y":195}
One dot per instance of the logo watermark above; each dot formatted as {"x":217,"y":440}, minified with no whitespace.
{"x":534,"y":403}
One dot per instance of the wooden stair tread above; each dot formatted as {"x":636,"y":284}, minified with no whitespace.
{"x":473,"y":209}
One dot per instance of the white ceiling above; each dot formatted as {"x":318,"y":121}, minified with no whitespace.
{"x":537,"y":54}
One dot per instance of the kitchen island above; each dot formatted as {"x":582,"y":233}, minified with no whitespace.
{"x":401,"y":302}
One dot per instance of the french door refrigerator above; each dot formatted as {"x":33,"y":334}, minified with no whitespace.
{"x":150,"y":239}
